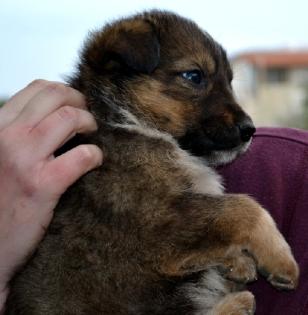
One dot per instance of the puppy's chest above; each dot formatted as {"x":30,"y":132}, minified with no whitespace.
{"x":204,"y":180}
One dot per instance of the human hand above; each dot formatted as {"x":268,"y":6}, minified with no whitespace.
{"x":33,"y":124}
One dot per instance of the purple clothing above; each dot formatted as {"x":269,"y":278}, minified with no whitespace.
{"x":275,"y":172}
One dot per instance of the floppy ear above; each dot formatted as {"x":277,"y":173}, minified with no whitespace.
{"x":130,"y":43}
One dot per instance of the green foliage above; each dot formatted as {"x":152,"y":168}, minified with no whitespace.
{"x":2,"y":102}
{"x":305,"y":111}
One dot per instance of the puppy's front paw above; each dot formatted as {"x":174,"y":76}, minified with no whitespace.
{"x":238,"y":266}
{"x":282,"y":272}
{"x":273,"y":255}
{"x":240,"y":303}
{"x":243,"y":270}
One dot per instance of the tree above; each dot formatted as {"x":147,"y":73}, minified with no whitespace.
{"x":305,"y":111}
{"x":2,"y":102}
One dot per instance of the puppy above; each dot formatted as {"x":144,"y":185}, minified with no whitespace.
{"x":151,"y":231}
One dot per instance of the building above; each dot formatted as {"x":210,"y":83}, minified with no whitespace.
{"x":273,"y":86}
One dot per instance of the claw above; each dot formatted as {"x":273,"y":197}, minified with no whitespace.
{"x":281,"y":283}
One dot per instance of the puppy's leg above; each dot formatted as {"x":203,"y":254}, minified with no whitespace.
{"x":209,"y":226}
{"x":239,"y":303}
{"x":212,"y":294}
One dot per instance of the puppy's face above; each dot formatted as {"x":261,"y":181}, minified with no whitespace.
{"x":175,"y":77}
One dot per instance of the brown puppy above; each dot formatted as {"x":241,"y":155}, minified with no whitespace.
{"x":151,"y":232}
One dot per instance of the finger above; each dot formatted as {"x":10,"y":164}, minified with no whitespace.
{"x":64,"y":170}
{"x":17,"y":102}
{"x":60,"y":126}
{"x":49,"y":99}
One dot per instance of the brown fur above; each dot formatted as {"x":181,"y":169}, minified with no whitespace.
{"x":150,"y":231}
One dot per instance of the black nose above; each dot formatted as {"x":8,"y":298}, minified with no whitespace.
{"x":247,"y":129}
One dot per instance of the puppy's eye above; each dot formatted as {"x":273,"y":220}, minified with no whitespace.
{"x":195,"y":76}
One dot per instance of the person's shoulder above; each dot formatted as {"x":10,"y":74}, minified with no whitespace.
{"x":274,"y":153}
{"x":279,"y":134}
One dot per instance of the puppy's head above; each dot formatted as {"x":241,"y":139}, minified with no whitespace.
{"x":171,"y":76}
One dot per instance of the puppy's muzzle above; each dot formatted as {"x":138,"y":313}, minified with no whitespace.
{"x":215,"y":135}
{"x":246,"y":129}
{"x":218,"y":135}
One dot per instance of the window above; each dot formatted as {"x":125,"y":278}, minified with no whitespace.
{"x":276,"y":75}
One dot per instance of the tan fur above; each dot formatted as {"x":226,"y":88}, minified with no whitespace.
{"x":242,"y":303}
{"x":173,"y":117}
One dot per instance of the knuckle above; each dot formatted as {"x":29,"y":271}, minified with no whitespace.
{"x":64,"y":94}
{"x":29,"y":179}
{"x":67,"y":113}
{"x":57,"y":89}
{"x":87,"y":121}
{"x":29,"y":188}
{"x":86,"y":155}
{"x":39,"y":132}
{"x":38,"y":83}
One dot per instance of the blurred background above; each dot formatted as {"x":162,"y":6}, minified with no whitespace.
{"x":267,"y":41}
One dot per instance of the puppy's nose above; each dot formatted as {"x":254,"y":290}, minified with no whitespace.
{"x":247,"y":129}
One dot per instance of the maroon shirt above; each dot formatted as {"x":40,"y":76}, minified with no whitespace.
{"x":275,"y":172}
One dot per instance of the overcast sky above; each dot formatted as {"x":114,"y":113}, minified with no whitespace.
{"x":41,"y":38}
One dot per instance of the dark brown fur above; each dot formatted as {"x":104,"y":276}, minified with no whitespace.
{"x":142,"y":234}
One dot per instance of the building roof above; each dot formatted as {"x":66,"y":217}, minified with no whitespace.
{"x":272,"y":59}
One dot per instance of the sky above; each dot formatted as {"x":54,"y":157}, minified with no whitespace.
{"x":41,"y":38}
